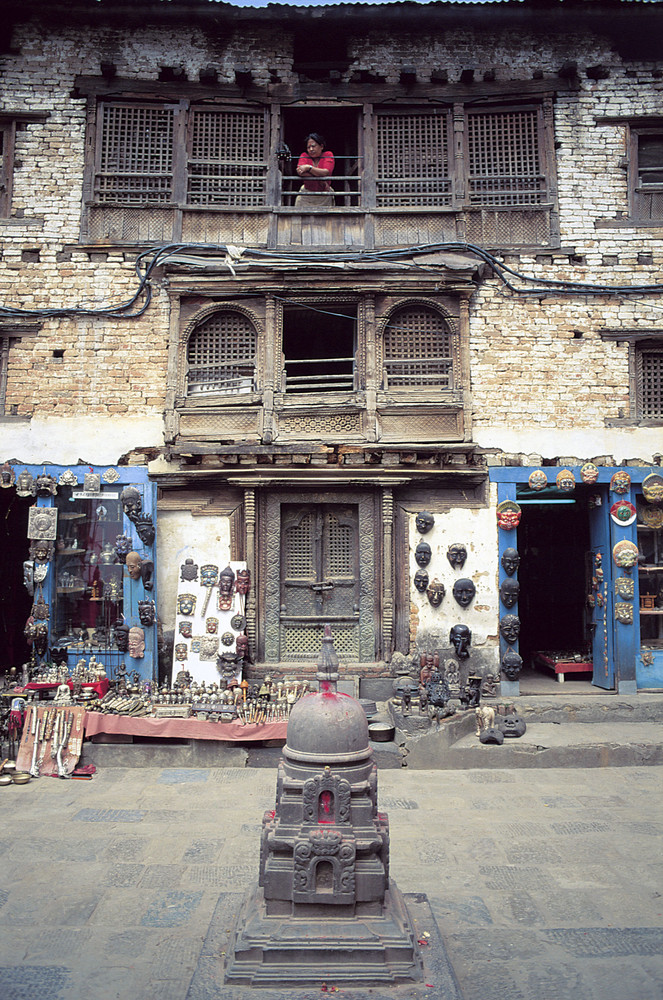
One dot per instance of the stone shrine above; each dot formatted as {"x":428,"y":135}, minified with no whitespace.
{"x":324,"y":907}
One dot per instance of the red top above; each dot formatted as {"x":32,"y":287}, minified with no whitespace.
{"x":326,"y":162}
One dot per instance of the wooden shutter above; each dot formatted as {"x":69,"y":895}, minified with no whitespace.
{"x":648,"y":188}
{"x":135,"y":155}
{"x":221,"y":354}
{"x":649,"y":375}
{"x":227,"y":161}
{"x":504,"y":159}
{"x":417,"y":348}
{"x":412,"y":160}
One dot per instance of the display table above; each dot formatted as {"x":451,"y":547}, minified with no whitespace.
{"x":100,"y":687}
{"x":184,"y":729}
{"x":561,"y":666}
{"x":40,"y":687}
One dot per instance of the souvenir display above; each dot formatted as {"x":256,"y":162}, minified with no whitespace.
{"x":652,"y":488}
{"x":464,"y":592}
{"x":508,"y":515}
{"x":623,"y":512}
{"x":510,"y":561}
{"x":7,"y":476}
{"x":620,"y":482}
{"x":457,"y":555}
{"x":565,"y":481}
{"x":625,"y":554}
{"x":589,"y":473}
{"x":537,"y":480}
{"x":624,"y":612}
{"x":421,"y":580}
{"x":52,"y":739}
{"x":423,"y":554}
{"x":652,"y":517}
{"x":424,"y":521}
{"x":509,"y":593}
{"x":435,"y":593}
{"x":43,"y":522}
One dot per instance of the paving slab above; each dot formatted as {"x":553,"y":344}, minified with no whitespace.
{"x":542,"y":884}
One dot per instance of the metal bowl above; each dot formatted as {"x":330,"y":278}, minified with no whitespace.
{"x":381,"y":732}
{"x":9,"y":767}
{"x":21,"y":777}
{"x":5,"y":779}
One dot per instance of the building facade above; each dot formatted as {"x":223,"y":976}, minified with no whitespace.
{"x":293,"y":383}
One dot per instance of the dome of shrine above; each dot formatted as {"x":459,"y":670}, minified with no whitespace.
{"x":327,"y":728}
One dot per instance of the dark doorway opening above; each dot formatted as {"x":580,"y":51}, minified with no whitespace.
{"x":553,"y":539}
{"x":319,"y":343}
{"x":15,"y":602}
{"x":340,"y":128}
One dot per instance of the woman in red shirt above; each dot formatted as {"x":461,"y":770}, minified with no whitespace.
{"x":314,"y":167}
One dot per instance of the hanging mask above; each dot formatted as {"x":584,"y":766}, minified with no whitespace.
{"x":136,"y":643}
{"x":565,"y":481}
{"x":620,"y":482}
{"x":147,"y":613}
{"x":243,"y":582}
{"x":181,"y":652}
{"x":144,"y":528}
{"x":423,"y":554}
{"x":625,"y":554}
{"x":186,"y":604}
{"x":624,"y":588}
{"x":121,"y":633}
{"x":652,"y":488}
{"x":589,"y":473}
{"x":624,"y":612}
{"x":509,"y":593}
{"x":512,"y":664}
{"x":25,"y":484}
{"x":134,"y":564}
{"x":212,"y":625}
{"x":132,"y":501}
{"x":460,"y":638}
{"x":510,"y":628}
{"x":435,"y":593}
{"x":508,"y":515}
{"x":188,"y":570}
{"x":537,"y":480}
{"x":186,"y":629}
{"x":424,"y":521}
{"x":464,"y":591}
{"x":7,"y":476}
{"x":421,"y":580}
{"x":46,"y":486}
{"x":457,"y":554}
{"x":510,"y":561}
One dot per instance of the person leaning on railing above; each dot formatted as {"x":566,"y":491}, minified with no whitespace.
{"x":314,"y":167}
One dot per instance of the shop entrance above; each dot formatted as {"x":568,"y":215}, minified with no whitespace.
{"x":554,"y":542}
{"x":15,"y":602}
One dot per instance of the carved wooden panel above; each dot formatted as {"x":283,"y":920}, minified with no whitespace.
{"x":227,"y":423}
{"x":238,"y":228}
{"x":412,"y":426}
{"x":320,"y":425}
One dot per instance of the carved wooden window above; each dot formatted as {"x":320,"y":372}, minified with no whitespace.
{"x":504,"y":160}
{"x":227,"y":159}
{"x":647,"y":173}
{"x":413,"y":159}
{"x":135,"y":155}
{"x":418,"y":348}
{"x":221,"y":354}
{"x":649,"y":378}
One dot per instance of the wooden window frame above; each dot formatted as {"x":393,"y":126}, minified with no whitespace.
{"x":652,"y":346}
{"x":643,"y":195}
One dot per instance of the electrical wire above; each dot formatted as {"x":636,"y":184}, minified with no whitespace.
{"x":206,"y":255}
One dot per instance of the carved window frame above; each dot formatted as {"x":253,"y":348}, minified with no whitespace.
{"x":220,"y":398}
{"x":458,"y":377}
{"x":645,"y":200}
{"x":647,"y":365}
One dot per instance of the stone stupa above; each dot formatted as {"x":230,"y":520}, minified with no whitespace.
{"x":324,"y":907}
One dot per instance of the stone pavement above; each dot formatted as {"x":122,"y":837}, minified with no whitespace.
{"x":544,"y":884}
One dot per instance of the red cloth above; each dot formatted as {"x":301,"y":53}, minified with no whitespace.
{"x":326,"y":162}
{"x":192,"y":729}
{"x":101,"y":687}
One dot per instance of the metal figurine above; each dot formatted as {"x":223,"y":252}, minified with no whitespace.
{"x":91,"y":482}
{"x":42,"y":523}
{"x":421,"y":580}
{"x":566,"y":482}
{"x":41,"y":549}
{"x":510,"y":628}
{"x":509,"y":593}
{"x":423,"y":554}
{"x":147,"y":613}
{"x":464,"y":592}
{"x":7,"y":476}
{"x":457,"y":554}
{"x":620,"y":482}
{"x":435,"y":593}
{"x":510,"y":561}
{"x":188,"y":570}
{"x":424,"y":521}
{"x":512,"y":664}
{"x":508,"y":515}
{"x":25,"y":484}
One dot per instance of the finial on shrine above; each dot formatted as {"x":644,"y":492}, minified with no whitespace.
{"x":327,"y":663}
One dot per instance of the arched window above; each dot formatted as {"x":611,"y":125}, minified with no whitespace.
{"x":221,"y":354}
{"x":417,"y":348}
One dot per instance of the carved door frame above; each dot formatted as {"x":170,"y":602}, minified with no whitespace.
{"x":370,"y":575}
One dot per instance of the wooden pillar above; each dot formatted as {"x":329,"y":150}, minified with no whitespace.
{"x":387,"y":571}
{"x":250,"y":522}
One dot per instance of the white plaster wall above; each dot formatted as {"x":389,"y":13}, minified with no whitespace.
{"x":182,"y":536}
{"x":476,"y":529}
{"x":622,"y":443}
{"x":96,"y":440}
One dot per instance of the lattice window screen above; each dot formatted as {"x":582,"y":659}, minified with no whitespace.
{"x":136,"y":155}
{"x":503,"y":158}
{"x":227,"y":158}
{"x":299,"y":558}
{"x":413,"y":163}
{"x":649,"y":373}
{"x":221,"y":354}
{"x":339,"y":551}
{"x":418,"y":348}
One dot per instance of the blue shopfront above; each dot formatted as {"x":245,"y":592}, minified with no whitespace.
{"x":82,"y":582}
{"x":584,"y":554}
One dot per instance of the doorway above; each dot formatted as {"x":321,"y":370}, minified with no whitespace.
{"x":15,"y":601}
{"x":553,"y":542}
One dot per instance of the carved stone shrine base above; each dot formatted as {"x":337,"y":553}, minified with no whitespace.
{"x":306,"y":948}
